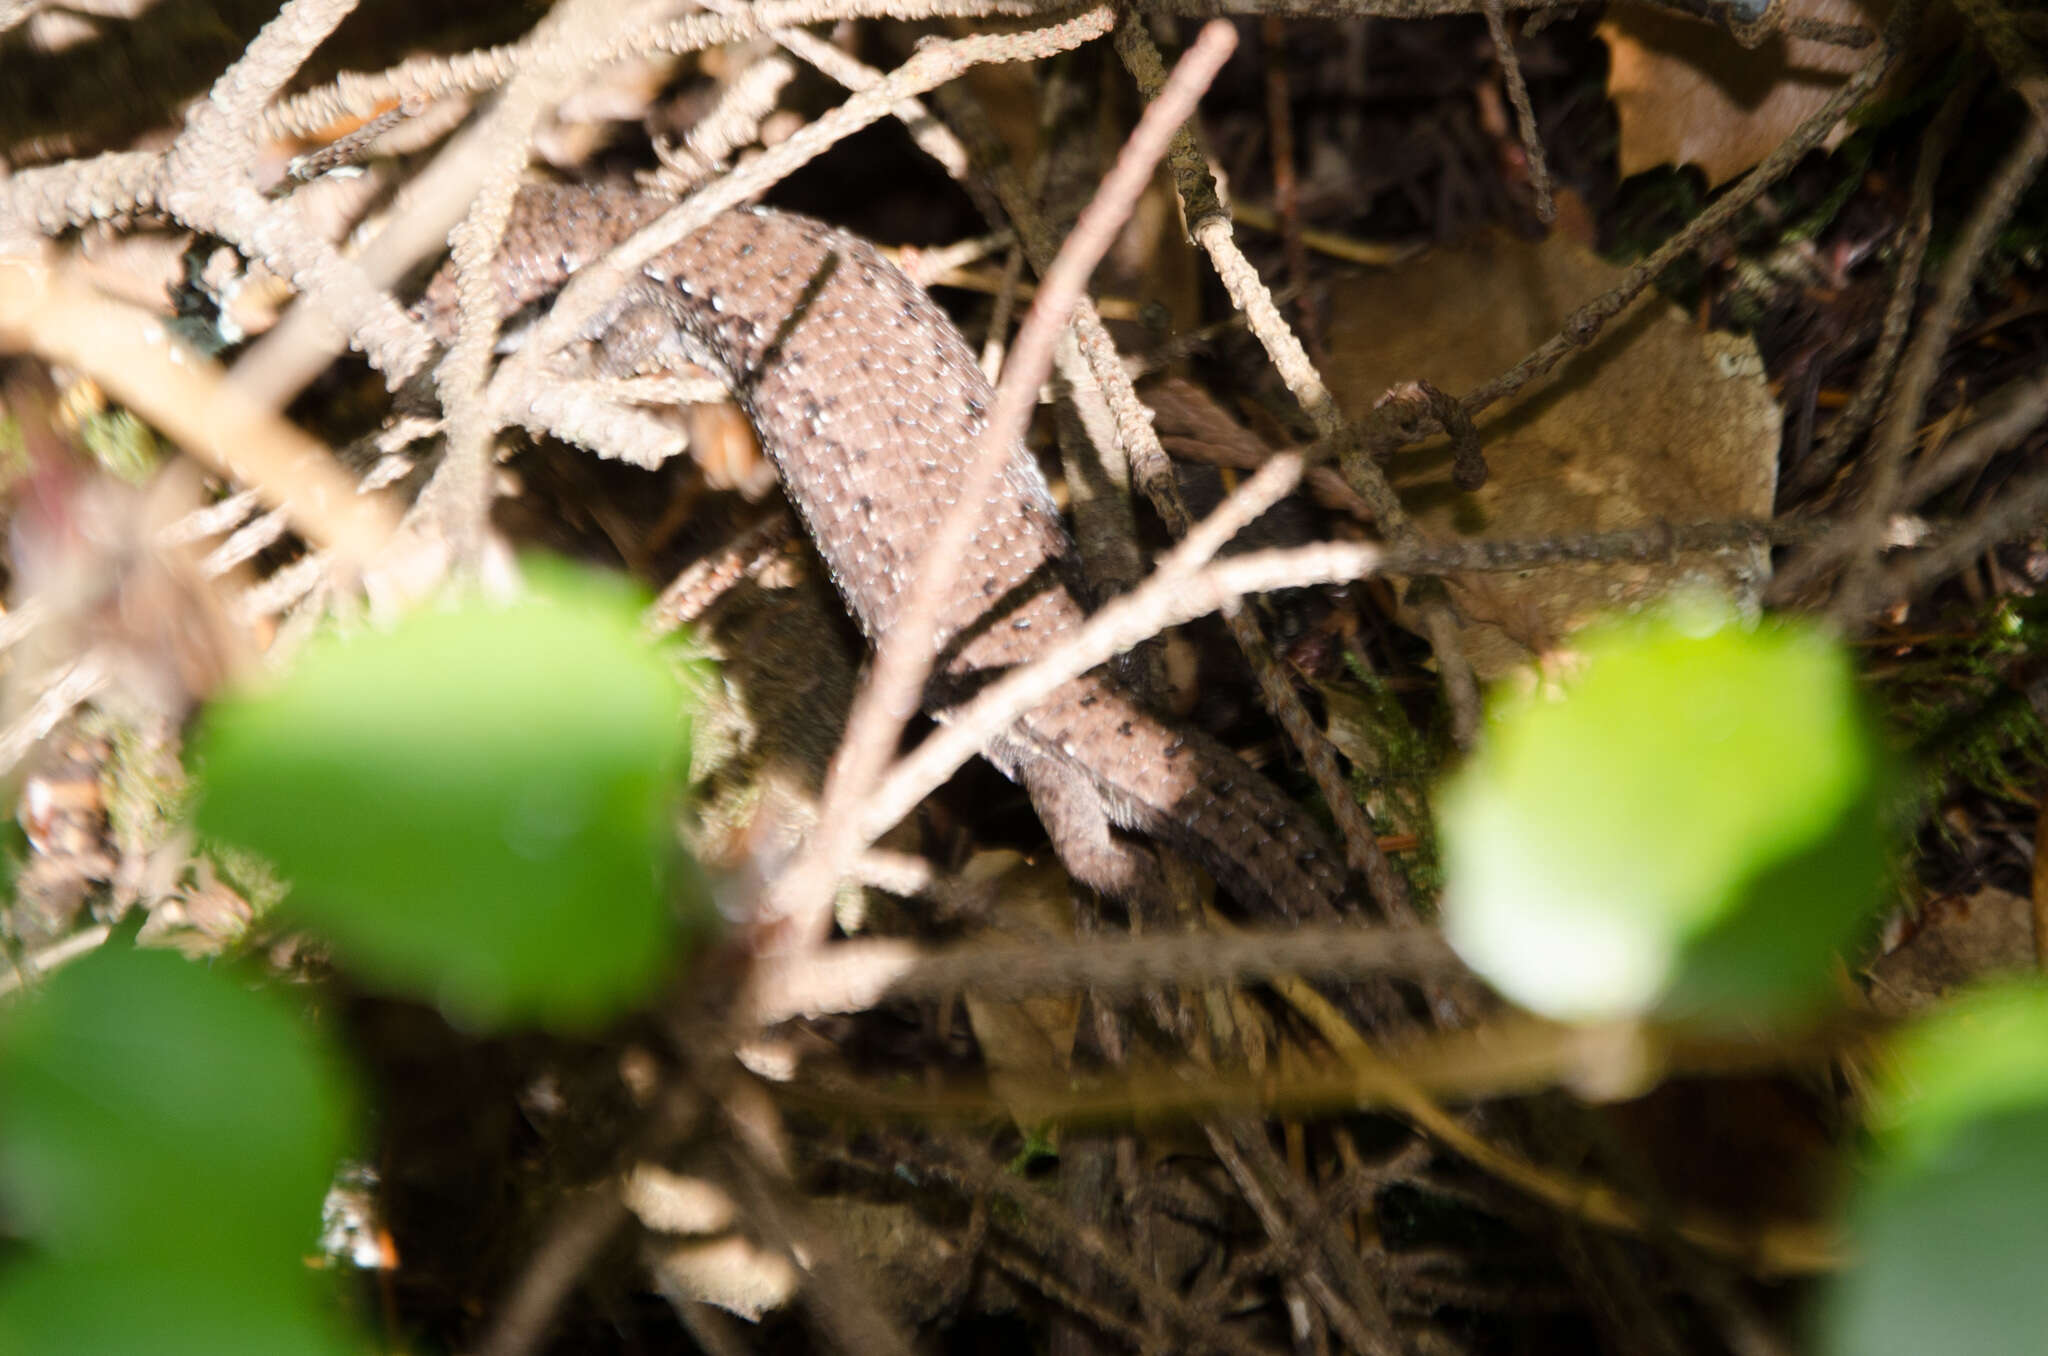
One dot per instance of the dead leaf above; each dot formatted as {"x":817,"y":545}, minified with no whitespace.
{"x":1688,"y":93}
{"x":1655,"y":422}
{"x":913,"y":1266}
{"x":1028,"y":1046}
{"x":1960,"y":939}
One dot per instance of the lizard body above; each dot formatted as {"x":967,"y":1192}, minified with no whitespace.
{"x":870,"y":403}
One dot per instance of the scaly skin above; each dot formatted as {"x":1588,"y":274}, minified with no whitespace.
{"x":869,"y":402}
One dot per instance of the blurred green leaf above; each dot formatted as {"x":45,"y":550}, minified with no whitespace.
{"x":1951,"y":1224}
{"x":1982,"y":1054}
{"x":156,"y":1110}
{"x":1694,"y":827}
{"x":166,"y":1308}
{"x":474,"y":806}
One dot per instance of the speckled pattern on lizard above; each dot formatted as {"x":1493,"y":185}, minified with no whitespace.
{"x":870,"y":403}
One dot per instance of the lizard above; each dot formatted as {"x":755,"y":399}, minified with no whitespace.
{"x":869,"y":402}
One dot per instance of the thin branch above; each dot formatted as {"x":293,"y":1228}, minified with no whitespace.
{"x":1182,"y":588}
{"x":563,"y":47}
{"x":362,"y":95}
{"x":1310,"y":1270}
{"x":2005,"y":416}
{"x":208,"y":181}
{"x":1053,"y":1231}
{"x":1861,"y":537}
{"x":23,"y":974}
{"x":1525,"y":114}
{"x":1898,"y":311}
{"x":188,"y":398}
{"x":691,"y":593}
{"x":64,"y":692}
{"x":1210,"y":225}
{"x":2021,"y":509}
{"x":1178,"y":590}
{"x":582,"y":1231}
{"x":734,"y":122}
{"x":935,"y":65}
{"x":1507,"y":1058}
{"x":932,"y":136}
{"x":854,"y":976}
{"x":904,"y":657}
{"x":1586,"y":323}
{"x":1907,"y":403}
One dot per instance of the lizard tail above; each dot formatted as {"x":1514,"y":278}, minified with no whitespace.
{"x":1187,"y":790}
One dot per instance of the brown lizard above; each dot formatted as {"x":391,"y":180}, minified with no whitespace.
{"x":869,"y":402}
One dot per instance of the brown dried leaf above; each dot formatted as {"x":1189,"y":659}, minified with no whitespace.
{"x":1960,"y":939}
{"x":1028,"y":1046}
{"x":1688,"y":93}
{"x":1655,"y":422}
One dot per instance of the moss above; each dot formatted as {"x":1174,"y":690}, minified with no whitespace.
{"x":1963,"y":710}
{"x":1393,"y":765}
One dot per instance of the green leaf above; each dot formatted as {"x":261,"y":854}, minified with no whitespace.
{"x":169,"y":1308}
{"x":476,"y":805}
{"x":156,"y":1110}
{"x":1694,"y":827}
{"x":1983,"y":1054}
{"x":1950,"y":1229}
